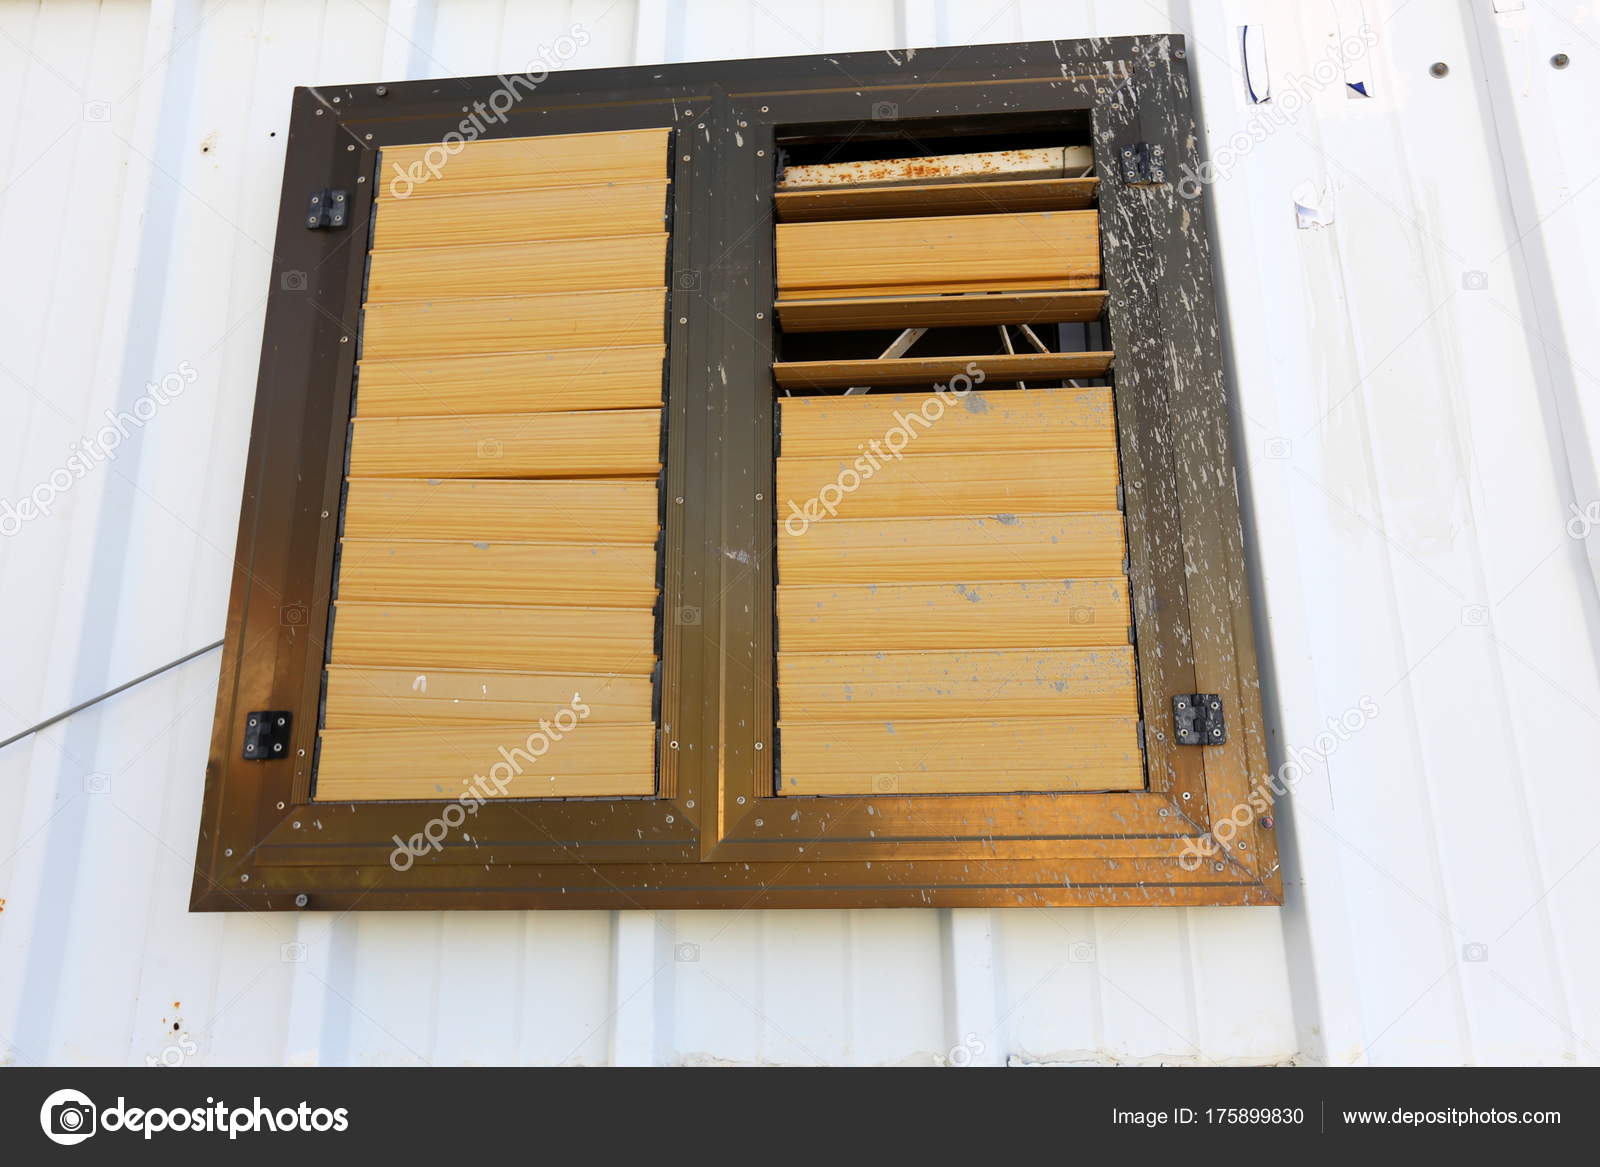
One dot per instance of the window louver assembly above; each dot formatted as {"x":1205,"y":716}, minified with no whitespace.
{"x":786,"y":483}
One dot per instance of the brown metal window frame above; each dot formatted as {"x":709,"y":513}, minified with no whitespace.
{"x":716,"y":834}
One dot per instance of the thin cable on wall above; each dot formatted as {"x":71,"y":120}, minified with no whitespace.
{"x":81,"y":706}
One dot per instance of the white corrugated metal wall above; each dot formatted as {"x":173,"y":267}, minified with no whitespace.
{"x":1418,"y":417}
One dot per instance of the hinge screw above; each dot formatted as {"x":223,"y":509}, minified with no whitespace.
{"x":301,"y":900}
{"x":382,"y":91}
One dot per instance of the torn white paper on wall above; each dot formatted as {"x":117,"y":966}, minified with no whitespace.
{"x":1313,"y":206}
{"x":1354,"y":42}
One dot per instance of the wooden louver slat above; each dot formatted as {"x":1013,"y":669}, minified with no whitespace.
{"x":1042,"y":250}
{"x":929,"y":370}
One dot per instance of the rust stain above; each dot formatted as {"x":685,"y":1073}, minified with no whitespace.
{"x":1011,"y":163}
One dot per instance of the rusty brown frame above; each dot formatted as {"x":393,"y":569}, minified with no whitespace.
{"x":717,"y":834}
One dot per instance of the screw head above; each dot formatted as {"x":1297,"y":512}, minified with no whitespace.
{"x":1438,"y":69}
{"x":382,"y":91}
{"x":301,"y":900}
{"x":1560,"y":61}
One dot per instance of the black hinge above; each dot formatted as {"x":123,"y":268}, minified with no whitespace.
{"x":1143,"y":164}
{"x":1197,"y":719}
{"x":266,"y":734}
{"x":327,"y":208}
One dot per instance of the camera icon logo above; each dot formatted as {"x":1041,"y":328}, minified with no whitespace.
{"x":689,"y":616}
{"x":293,"y":281}
{"x":292,"y":615}
{"x":97,"y":783}
{"x":1475,"y":615}
{"x":885,"y":111}
{"x":1083,"y":615}
{"x":687,"y":281}
{"x":1278,"y":449}
{"x":1475,"y":952}
{"x":1475,"y":281}
{"x":491,"y":448}
{"x":293,"y":952}
{"x":686,"y":953}
{"x":1081,"y":952}
{"x":885,"y":784}
{"x":68,"y":1117}
{"x":97,"y":111}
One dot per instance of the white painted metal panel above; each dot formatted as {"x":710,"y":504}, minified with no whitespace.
{"x":1416,"y":391}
